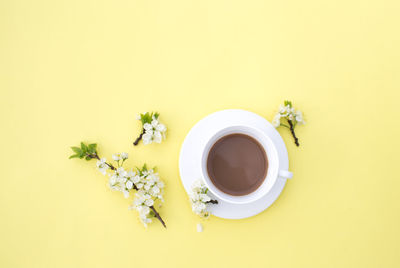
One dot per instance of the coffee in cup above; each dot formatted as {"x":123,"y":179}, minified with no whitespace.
{"x":237,"y":164}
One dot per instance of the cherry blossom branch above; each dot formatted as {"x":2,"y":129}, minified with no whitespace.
{"x":292,"y":116}
{"x":200,"y":199}
{"x":156,"y":214}
{"x":152,"y":129}
{"x":145,"y":196}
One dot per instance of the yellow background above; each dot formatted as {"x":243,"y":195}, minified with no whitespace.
{"x":81,"y":70}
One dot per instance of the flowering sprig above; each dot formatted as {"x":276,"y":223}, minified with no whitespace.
{"x":199,"y":199}
{"x":146,"y":183}
{"x":152,"y":129}
{"x":292,"y":117}
{"x":149,"y":189}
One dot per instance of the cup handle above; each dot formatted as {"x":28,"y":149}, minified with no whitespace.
{"x":285,"y":174}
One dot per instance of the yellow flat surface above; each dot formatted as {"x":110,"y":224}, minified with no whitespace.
{"x":81,"y":70}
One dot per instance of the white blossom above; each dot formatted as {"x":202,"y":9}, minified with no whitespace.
{"x":129,"y":185}
{"x":153,"y":131}
{"x":136,"y":179}
{"x":148,"y":127}
{"x":131,"y":174}
{"x":288,"y":112}
{"x":116,"y":157}
{"x":149,"y":202}
{"x":113,"y":180}
{"x":199,"y":199}
{"x":102,"y":166}
{"x":157,"y":137}
{"x":120,"y":180}
{"x":299,"y":117}
{"x":150,"y":189}
{"x":277,"y":120}
{"x":124,"y":156}
{"x":147,"y":137}
{"x":121,"y":173}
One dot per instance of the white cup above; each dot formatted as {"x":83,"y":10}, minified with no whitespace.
{"x":273,"y":172}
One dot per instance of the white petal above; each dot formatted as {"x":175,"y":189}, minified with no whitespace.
{"x":154,"y":123}
{"x":149,"y":202}
{"x":116,"y":157}
{"x":199,"y":227}
{"x":147,"y":126}
{"x":103,"y":171}
{"x":136,"y":179}
{"x":155,"y":190}
{"x":157,"y":137}
{"x":161,"y":128}
{"x":204,"y":198}
{"x":145,"y":210}
{"x":147,"y":138}
{"x":129,"y":185}
{"x":277,"y":120}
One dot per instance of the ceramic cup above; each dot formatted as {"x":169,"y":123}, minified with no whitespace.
{"x":273,"y":173}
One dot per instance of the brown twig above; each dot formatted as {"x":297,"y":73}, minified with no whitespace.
{"x":296,"y":140}
{"x":136,"y":142}
{"x":98,"y":158}
{"x":212,"y":202}
{"x":158,"y":216}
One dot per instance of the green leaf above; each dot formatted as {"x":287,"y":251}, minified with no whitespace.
{"x":151,"y":213}
{"x":73,"y":156}
{"x":84,"y":147}
{"x":156,"y":115}
{"x":145,"y":118}
{"x":88,"y":158}
{"x":141,"y":118}
{"x":144,"y":168}
{"x":139,"y":171}
{"x":288,"y":103}
{"x":92,"y":148}
{"x":76,"y":149}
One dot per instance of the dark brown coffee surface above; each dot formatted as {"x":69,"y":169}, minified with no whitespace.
{"x":237,"y":164}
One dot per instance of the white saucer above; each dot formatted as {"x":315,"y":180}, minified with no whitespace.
{"x":190,"y":159}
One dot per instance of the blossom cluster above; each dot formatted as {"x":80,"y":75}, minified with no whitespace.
{"x":150,"y":188}
{"x":199,"y":199}
{"x":146,"y":181}
{"x":153,"y":130}
{"x":288,"y":112}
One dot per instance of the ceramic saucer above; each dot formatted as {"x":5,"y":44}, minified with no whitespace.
{"x":196,"y":139}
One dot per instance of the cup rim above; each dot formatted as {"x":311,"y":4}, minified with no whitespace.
{"x":271,"y":154}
